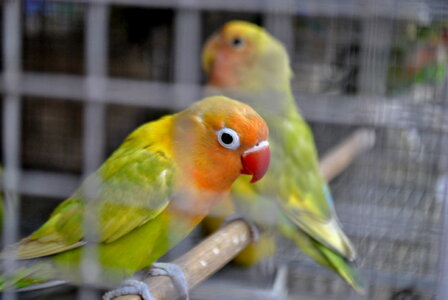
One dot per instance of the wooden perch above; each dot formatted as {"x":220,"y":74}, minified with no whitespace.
{"x":219,"y":248}
{"x":202,"y":261}
{"x":338,"y":159}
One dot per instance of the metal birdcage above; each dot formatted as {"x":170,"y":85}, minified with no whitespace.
{"x":78,"y":75}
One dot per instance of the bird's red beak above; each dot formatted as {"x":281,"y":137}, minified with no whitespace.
{"x":256,"y":161}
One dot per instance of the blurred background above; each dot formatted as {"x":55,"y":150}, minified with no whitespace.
{"x":77,"y":76}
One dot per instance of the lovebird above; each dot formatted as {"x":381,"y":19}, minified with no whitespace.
{"x":149,"y":195}
{"x":244,"y":61}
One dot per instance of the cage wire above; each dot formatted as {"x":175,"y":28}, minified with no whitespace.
{"x":78,"y":76}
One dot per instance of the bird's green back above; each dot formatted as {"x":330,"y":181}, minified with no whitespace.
{"x":132,"y":188}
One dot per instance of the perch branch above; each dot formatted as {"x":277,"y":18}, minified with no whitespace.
{"x":219,"y":248}
{"x":201,"y":261}
{"x":340,"y":157}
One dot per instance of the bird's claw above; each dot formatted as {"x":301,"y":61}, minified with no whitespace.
{"x":134,"y":286}
{"x":128,"y":287}
{"x":174,"y":272}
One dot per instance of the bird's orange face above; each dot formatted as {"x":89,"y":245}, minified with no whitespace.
{"x":242,"y":135}
{"x":230,"y":139}
{"x":232,"y":49}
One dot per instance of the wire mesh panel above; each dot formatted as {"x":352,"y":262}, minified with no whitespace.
{"x":141,"y":43}
{"x":83,"y":74}
{"x":53,"y":35}
{"x":46,"y":123}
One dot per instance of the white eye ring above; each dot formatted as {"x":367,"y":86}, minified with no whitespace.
{"x":228,"y":138}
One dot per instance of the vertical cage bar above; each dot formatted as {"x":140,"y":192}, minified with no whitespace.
{"x":11,"y":127}
{"x":96,"y":50}
{"x":376,"y":40}
{"x":96,"y":44}
{"x":187,"y":33}
{"x":187,"y":43}
{"x":442,"y":285}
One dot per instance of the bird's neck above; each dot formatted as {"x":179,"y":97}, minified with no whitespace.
{"x":193,"y":204}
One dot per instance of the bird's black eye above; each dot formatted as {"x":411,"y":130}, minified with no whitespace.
{"x":237,"y":43}
{"x":228,"y":138}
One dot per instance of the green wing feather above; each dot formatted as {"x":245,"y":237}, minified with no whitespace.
{"x":305,"y":196}
{"x":294,"y":181}
{"x":135,"y":187}
{"x":262,"y":210}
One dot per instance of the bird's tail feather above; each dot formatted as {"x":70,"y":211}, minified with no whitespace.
{"x":324,"y":256}
{"x":342,"y":267}
{"x":25,"y":277}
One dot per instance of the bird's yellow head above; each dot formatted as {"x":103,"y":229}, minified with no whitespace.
{"x":218,"y":139}
{"x":242,"y":54}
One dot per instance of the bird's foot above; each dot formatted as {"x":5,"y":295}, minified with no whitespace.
{"x":253,"y":229}
{"x":136,"y":286}
{"x":129,"y":287}
{"x":174,"y":272}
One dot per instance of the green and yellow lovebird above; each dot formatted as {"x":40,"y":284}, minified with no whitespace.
{"x":245,"y":61}
{"x":149,"y":194}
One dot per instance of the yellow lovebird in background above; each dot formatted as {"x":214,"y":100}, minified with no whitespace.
{"x":244,"y":61}
{"x":150,"y":194}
